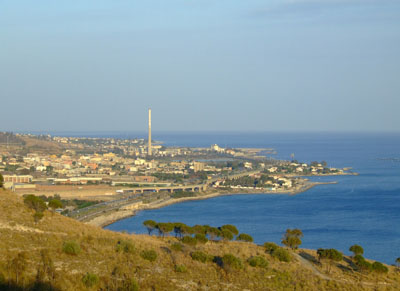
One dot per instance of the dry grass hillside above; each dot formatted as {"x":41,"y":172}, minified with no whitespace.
{"x":34,"y":256}
{"x":33,"y":144}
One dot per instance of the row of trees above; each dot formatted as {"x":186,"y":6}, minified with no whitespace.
{"x":200,"y":232}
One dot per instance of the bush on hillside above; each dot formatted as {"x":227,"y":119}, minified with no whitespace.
{"x":149,"y":255}
{"x":230,"y":262}
{"x":281,"y":254}
{"x":270,"y":247}
{"x":362,"y":264}
{"x":379,"y":268}
{"x":258,"y":261}
{"x":71,"y":248}
{"x":201,"y":257}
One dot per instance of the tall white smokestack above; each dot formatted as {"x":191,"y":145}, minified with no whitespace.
{"x":149,"y":149}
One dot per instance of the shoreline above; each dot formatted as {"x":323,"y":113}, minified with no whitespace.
{"x":120,"y":214}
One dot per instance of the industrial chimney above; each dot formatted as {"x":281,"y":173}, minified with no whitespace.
{"x":149,"y":152}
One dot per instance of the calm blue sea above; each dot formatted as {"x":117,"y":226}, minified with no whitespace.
{"x":362,"y":209}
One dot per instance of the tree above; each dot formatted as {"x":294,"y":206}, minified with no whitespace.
{"x":150,"y":225}
{"x":55,"y":204}
{"x":182,"y":229}
{"x":331,"y":255}
{"x":226,"y":234}
{"x":214,"y":233}
{"x":164,"y":228}
{"x":199,"y":229}
{"x":231,"y":228}
{"x":244,"y":237}
{"x":1,"y":181}
{"x":356,"y":249}
{"x":292,"y":238}
{"x":35,"y":203}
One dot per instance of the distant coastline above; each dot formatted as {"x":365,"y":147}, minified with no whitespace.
{"x":120,"y":214}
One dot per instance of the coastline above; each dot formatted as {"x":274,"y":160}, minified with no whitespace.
{"x":112,"y":217}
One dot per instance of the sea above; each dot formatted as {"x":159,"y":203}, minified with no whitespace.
{"x":363,"y":209}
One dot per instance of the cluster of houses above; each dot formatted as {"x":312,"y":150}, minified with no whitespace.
{"x":302,"y":168}
{"x":82,"y":169}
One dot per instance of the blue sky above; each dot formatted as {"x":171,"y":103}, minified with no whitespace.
{"x":279,"y":65}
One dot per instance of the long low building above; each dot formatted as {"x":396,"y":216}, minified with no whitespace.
{"x":18,"y":178}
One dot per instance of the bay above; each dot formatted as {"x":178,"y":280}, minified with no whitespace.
{"x":362,"y":209}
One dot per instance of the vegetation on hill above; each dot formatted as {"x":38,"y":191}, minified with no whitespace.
{"x":59,"y":253}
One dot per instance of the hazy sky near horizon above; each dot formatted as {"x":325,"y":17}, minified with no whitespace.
{"x":278,"y":65}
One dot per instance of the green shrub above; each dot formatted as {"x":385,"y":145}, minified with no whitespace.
{"x":177,"y":247}
{"x":71,"y":248}
{"x":149,"y":255}
{"x":244,"y":237}
{"x":199,"y":256}
{"x":189,"y":240}
{"x":90,"y":280}
{"x":258,"y":262}
{"x":201,"y":238}
{"x":125,"y":246}
{"x":229,"y":262}
{"x":180,"y":268}
{"x":270,"y":247}
{"x":281,"y":254}
{"x":379,"y":267}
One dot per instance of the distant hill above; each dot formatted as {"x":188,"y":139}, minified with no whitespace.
{"x":10,"y":138}
{"x":59,"y":253}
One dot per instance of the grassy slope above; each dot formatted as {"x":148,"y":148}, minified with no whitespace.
{"x":18,"y":233}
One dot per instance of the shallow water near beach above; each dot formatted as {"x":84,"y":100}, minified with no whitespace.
{"x":362,"y":209}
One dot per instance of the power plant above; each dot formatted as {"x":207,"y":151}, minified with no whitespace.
{"x":149,"y":152}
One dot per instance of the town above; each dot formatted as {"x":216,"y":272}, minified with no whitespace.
{"x":92,"y":171}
